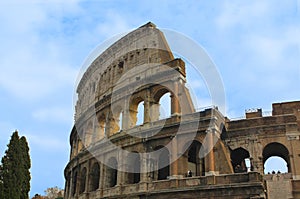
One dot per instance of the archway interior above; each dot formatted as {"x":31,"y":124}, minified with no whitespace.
{"x":163,"y":164}
{"x":134,"y":167}
{"x":276,"y":158}
{"x":275,"y":164}
{"x":140,"y":113}
{"x":95,"y":177}
{"x":112,"y":172}
{"x":196,"y":166}
{"x":165,"y":106}
{"x":240,"y":160}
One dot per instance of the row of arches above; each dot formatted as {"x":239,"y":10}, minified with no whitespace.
{"x":242,"y":161}
{"x":140,"y":111}
{"x":89,"y":179}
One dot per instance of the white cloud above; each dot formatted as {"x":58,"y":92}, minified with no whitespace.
{"x":32,"y":67}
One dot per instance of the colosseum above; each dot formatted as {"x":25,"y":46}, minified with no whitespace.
{"x":122,"y":146}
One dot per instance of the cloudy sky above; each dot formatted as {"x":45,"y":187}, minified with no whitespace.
{"x":43,"y":44}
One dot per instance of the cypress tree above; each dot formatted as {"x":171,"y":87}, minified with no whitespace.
{"x":15,"y":169}
{"x":26,"y":164}
{"x":1,"y":182}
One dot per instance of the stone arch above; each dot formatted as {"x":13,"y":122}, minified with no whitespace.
{"x":101,"y":125}
{"x":112,"y":172}
{"x":238,"y":157}
{"x":88,"y":134}
{"x":82,"y":181}
{"x":163,"y":163}
{"x":74,"y":183}
{"x":134,"y":112}
{"x":116,"y":119}
{"x":134,"y":166}
{"x":158,"y":96}
{"x":276,"y":149}
{"x":196,"y":164}
{"x":94,"y":177}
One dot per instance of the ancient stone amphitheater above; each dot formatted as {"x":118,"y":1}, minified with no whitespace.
{"x":122,"y":147}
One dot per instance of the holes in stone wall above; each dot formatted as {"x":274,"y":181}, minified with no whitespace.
{"x":165,"y":106}
{"x":163,"y":164}
{"x":238,"y":160}
{"x":278,"y":154}
{"x":140,"y":113}
{"x":196,"y":165}
{"x":82,"y":180}
{"x":94,"y":177}
{"x":112,"y":172}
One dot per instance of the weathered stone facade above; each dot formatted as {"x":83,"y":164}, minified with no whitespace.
{"x":109,"y":94}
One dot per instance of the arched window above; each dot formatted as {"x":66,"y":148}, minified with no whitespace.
{"x":161,"y":107}
{"x":278,"y":155}
{"x":112,"y":172}
{"x":238,"y":160}
{"x":120,"y":122}
{"x":163,"y":164}
{"x":140,"y":113}
{"x":134,"y":167}
{"x":165,"y":106}
{"x":94,"y":177}
{"x":88,"y":134}
{"x":101,"y":128}
{"x":115,"y":120}
{"x":82,"y":180}
{"x":74,"y":183}
{"x":136,"y":109}
{"x":196,"y":165}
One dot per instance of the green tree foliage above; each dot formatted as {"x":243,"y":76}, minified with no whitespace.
{"x":1,"y":183}
{"x":15,"y":169}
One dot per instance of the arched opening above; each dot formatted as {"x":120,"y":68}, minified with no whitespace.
{"x":275,"y":164}
{"x":88,"y":134}
{"x":238,"y":160}
{"x":161,"y":107}
{"x":120,"y":122}
{"x":134,"y":168}
{"x":115,"y":120}
{"x":196,"y":165}
{"x":165,"y":106}
{"x":82,"y":180}
{"x":94,"y":177}
{"x":163,"y":164}
{"x":68,"y":184}
{"x":140,"y":113}
{"x":101,"y":128}
{"x":136,"y":109}
{"x":74,"y":183}
{"x":112,"y":172}
{"x":278,"y":155}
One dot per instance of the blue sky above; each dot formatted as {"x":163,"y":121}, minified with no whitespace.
{"x":254,"y":44}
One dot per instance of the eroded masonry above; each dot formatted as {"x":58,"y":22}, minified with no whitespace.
{"x":115,"y":155}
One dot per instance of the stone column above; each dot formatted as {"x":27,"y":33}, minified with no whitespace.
{"x":210,"y":155}
{"x":147,"y":111}
{"x":174,"y":100}
{"x":122,"y":166}
{"x":174,"y":152}
{"x":154,"y":111}
{"x":145,"y":165}
{"x":126,"y":123}
{"x":87,"y":179}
